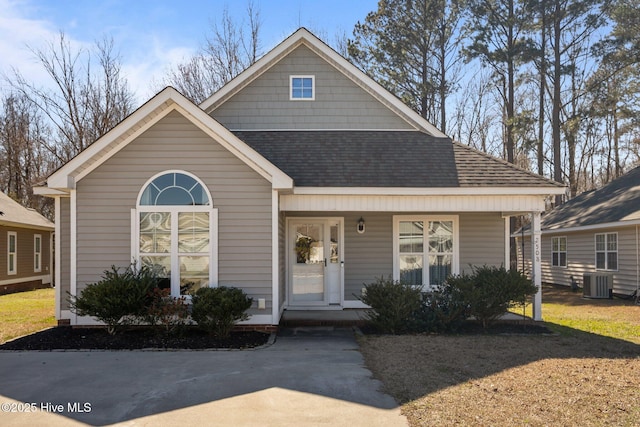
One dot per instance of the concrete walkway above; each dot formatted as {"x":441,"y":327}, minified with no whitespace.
{"x":308,"y":377}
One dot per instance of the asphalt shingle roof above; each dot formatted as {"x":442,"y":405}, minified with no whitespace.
{"x":14,"y":213}
{"x":617,"y":201}
{"x":383,"y":159}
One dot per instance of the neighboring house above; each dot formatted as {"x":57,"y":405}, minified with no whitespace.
{"x":25,"y":247}
{"x":298,"y":181}
{"x":597,"y":232}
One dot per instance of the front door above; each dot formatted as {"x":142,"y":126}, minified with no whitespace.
{"x":315,"y":262}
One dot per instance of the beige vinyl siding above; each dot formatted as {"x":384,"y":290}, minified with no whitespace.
{"x":581,"y":258}
{"x":106,"y":197}
{"x":481,"y":240}
{"x":24,"y":255}
{"x":339,"y":103}
{"x":282,"y":257}
{"x":65,"y":252}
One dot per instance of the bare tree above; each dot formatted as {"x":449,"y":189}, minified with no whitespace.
{"x":83,"y":104}
{"x":229,"y":50}
{"x":23,"y":161}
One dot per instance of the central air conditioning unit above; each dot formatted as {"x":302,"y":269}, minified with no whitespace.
{"x":597,"y":285}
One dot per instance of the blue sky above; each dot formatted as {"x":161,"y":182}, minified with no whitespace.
{"x":152,"y":35}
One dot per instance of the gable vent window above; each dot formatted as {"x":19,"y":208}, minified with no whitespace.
{"x":302,"y":88}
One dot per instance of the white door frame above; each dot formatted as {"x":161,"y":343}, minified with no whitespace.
{"x":290,"y":221}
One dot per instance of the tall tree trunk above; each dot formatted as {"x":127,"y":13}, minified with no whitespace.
{"x":555,"y":111}
{"x":543,"y":85}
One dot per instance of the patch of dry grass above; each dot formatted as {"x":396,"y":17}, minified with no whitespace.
{"x":26,"y":312}
{"x":572,"y":378}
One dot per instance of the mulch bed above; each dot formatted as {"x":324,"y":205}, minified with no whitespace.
{"x":68,"y":338}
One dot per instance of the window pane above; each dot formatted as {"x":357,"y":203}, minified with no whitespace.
{"x":411,"y":237}
{"x":160,"y":265}
{"x":600,"y":245}
{"x":12,"y":262}
{"x":155,"y":232}
{"x":600,"y":260}
{"x":441,"y":236}
{"x":563,"y":259}
{"x":554,"y":244}
{"x":612,"y":261}
{"x":439,"y":268}
{"x":334,"y":244}
{"x":194,"y":273}
{"x":37,"y":244}
{"x":612,"y":242}
{"x":563,"y":244}
{"x":174,"y":196}
{"x":193,"y":232}
{"x":309,"y":244}
{"x":411,"y":269}
{"x":12,"y":243}
{"x":554,"y":258}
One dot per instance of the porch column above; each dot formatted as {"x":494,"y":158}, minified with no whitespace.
{"x":536,"y":269}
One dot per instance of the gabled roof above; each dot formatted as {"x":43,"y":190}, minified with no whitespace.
{"x":14,"y":214}
{"x":303,"y":37}
{"x":399,"y":159}
{"x":618,"y":201}
{"x":143,"y":118}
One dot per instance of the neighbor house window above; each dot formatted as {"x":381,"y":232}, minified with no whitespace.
{"x":12,"y":252}
{"x":302,"y":88}
{"x":177,"y":233}
{"x":425,"y":249}
{"x":37,"y":253}
{"x":559,"y":251}
{"x":607,"y":251}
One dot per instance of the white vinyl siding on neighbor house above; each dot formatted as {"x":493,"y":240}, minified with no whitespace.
{"x":12,"y":253}
{"x":338,"y":103}
{"x":581,"y":258}
{"x":106,"y":196}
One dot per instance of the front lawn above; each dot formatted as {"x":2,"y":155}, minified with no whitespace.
{"x":26,"y":312}
{"x":587,"y":374}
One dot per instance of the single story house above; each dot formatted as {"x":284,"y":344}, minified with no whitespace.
{"x":25,"y":248}
{"x":595,"y":234}
{"x":298,"y":181}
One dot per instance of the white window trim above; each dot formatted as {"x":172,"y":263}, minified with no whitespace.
{"x":566,"y":252}
{"x":12,"y":267}
{"x":313,"y":87}
{"x":37,"y":255}
{"x":606,"y":251}
{"x":174,"y":210}
{"x":455,"y":263}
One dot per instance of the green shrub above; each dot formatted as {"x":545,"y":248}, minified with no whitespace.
{"x":216,"y":310}
{"x":393,"y":305}
{"x":490,"y":291}
{"x":119,"y":299}
{"x":164,"y":312}
{"x":441,"y":310}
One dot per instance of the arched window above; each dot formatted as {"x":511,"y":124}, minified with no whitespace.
{"x":176,"y":231}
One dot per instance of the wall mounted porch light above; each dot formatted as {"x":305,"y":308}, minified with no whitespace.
{"x":360,"y":227}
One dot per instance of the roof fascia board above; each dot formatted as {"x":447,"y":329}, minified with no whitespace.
{"x":14,"y":224}
{"x":46,"y":191}
{"x":353,"y":73}
{"x":594,"y":227}
{"x":430,"y":191}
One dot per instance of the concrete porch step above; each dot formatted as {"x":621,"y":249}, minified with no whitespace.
{"x":335,"y":318}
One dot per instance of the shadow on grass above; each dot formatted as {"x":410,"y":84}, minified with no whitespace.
{"x":412,"y":366}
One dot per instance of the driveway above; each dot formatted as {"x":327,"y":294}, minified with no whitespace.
{"x":309,"y":376}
